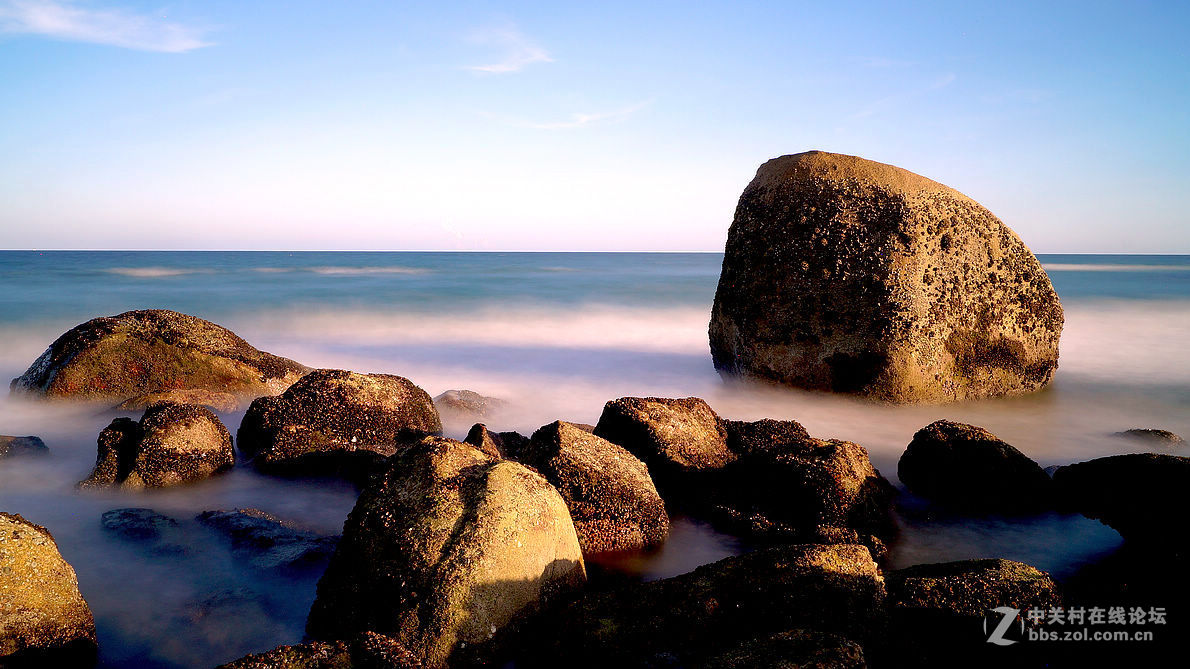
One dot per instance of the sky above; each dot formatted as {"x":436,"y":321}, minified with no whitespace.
{"x":605,"y":126}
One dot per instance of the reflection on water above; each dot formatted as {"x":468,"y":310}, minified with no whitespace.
{"x":556,"y":345}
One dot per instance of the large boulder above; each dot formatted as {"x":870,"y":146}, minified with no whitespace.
{"x":211,"y":399}
{"x":496,"y":444}
{"x":681,"y":440}
{"x":334,"y":418}
{"x":172,"y":444}
{"x":44,"y":620}
{"x":1140,"y":495}
{"x":117,"y":358}
{"x":467,"y":405}
{"x":19,"y":446}
{"x":788,"y":485}
{"x":967,"y":467}
{"x":954,"y":602}
{"x":611,"y":496}
{"x":687,"y":619}
{"x":443,"y":549}
{"x":848,"y":275}
{"x":796,"y":649}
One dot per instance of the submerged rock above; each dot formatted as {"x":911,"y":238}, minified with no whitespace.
{"x":467,"y":405}
{"x":611,"y":496}
{"x":335,"y":421}
{"x":44,"y":620}
{"x":20,"y":446}
{"x":970,"y":468}
{"x":135,"y":353}
{"x":951,"y":600}
{"x":684,"y":620}
{"x":443,"y":549}
{"x":1140,"y":495}
{"x":172,"y":444}
{"x":681,"y":440}
{"x":267,"y":541}
{"x":1153,"y":436}
{"x":853,"y":276}
{"x":367,"y":651}
{"x":138,"y":524}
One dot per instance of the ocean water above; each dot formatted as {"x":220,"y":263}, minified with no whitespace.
{"x":557,"y":335}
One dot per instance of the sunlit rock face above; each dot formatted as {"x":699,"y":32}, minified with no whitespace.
{"x":848,"y":275}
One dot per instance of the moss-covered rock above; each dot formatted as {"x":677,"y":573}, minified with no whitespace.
{"x":612,"y":499}
{"x":21,"y":446}
{"x":1140,"y":495}
{"x":967,"y":467}
{"x":172,"y":444}
{"x":367,"y":651}
{"x":688,"y":619}
{"x":133,"y":354}
{"x":211,"y":399}
{"x":333,"y":420}
{"x":848,"y":275}
{"x":44,"y":620}
{"x":443,"y":549}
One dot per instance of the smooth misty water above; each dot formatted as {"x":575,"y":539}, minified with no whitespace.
{"x":557,"y":335}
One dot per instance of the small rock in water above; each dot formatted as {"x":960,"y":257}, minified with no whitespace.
{"x":467,"y":405}
{"x":1154,"y":436}
{"x":172,"y":444}
{"x":18,"y":446}
{"x":268,"y":542}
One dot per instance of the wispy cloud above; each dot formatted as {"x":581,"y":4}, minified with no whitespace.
{"x":115,"y":27}
{"x":890,"y":101}
{"x":580,"y":119}
{"x":518,"y":51}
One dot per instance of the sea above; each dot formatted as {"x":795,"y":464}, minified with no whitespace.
{"x":556,"y":335}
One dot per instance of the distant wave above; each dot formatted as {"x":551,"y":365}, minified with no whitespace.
{"x":367,"y":270}
{"x":271,"y":270}
{"x":151,"y":272}
{"x":1075,"y":267}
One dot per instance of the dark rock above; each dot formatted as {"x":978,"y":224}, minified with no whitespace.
{"x":20,"y":446}
{"x":366,"y":651}
{"x":467,"y":405}
{"x":684,"y":620}
{"x":681,"y":440}
{"x":135,"y":353}
{"x":444,"y":549}
{"x":268,"y":542}
{"x":797,"y":649}
{"x":950,"y":601}
{"x":787,"y":485}
{"x":611,"y":496}
{"x":335,"y":422}
{"x":848,"y":275}
{"x":496,"y":444}
{"x":138,"y":524}
{"x":1140,"y":495}
{"x":1154,"y":437}
{"x":44,"y":620}
{"x":969,"y":468}
{"x":172,"y":444}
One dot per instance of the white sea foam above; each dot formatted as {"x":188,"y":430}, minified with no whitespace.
{"x":152,"y":272}
{"x":1075,"y":267}
{"x":349,"y":271}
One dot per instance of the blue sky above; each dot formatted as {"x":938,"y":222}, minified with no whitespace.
{"x":609,"y":126}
